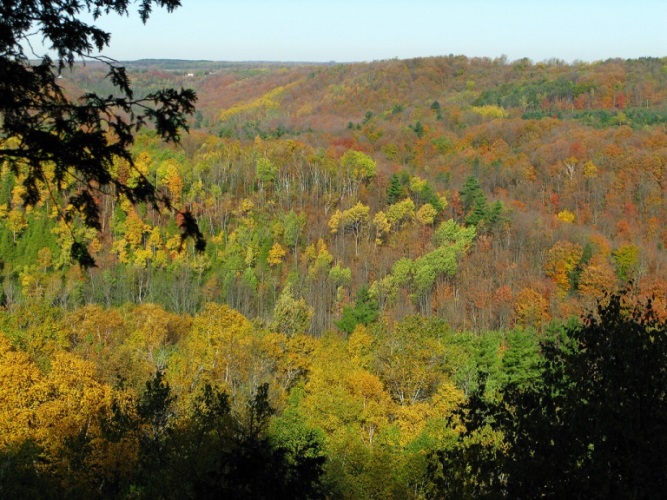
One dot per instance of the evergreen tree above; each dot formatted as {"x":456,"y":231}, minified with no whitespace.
{"x":428,"y":195}
{"x":419,"y":129}
{"x":470,"y":193}
{"x":479,"y":212}
{"x":395,"y":189}
{"x":364,"y":312}
{"x":495,"y":214}
{"x":436,"y":107}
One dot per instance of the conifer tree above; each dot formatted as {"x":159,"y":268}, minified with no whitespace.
{"x":365,"y":311}
{"x":395,"y":189}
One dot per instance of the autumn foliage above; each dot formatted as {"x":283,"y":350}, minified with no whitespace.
{"x":384,"y":242}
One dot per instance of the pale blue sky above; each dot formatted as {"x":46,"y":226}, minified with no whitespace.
{"x":365,"y":30}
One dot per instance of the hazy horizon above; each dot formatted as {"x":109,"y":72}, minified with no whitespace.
{"x":332,"y":62}
{"x":369,"y":30}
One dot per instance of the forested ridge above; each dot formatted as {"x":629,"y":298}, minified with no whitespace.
{"x":399,"y":256}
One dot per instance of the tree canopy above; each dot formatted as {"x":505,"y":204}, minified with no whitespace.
{"x":589,"y":422}
{"x":55,"y":143}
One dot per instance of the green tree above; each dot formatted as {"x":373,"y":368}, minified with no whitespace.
{"x":470,"y":192}
{"x":495,"y":213}
{"x":626,"y":258}
{"x":49,"y":139}
{"x":428,"y":195}
{"x":395,"y":189}
{"x":418,"y":129}
{"x":520,"y":364}
{"x":361,"y":166}
{"x":364,"y":312}
{"x":266,"y":170}
{"x":303,"y":447}
{"x":479,"y":211}
{"x":436,"y":107}
{"x":598,"y":409}
{"x":293,"y":227}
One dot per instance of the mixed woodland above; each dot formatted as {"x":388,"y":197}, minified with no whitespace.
{"x":422,"y":278}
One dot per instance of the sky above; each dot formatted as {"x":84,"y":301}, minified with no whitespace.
{"x":367,"y":30}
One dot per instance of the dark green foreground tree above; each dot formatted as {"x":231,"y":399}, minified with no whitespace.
{"x":51,"y":141}
{"x":594,"y":425}
{"x":207,"y":451}
{"x":213,"y":453}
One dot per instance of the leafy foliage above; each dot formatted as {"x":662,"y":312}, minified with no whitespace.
{"x":442,"y":239}
{"x":54,"y":143}
{"x":597,"y":409}
{"x":363,"y":312}
{"x":254,"y":193}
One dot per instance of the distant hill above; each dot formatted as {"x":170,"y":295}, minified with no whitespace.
{"x":335,"y":177}
{"x":311,"y":95}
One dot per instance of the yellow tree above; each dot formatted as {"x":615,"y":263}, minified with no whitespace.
{"x":19,"y":395}
{"x":292,"y":355}
{"x":375,"y":403}
{"x":276,"y":255}
{"x":356,"y":220}
{"x":217,"y":350}
{"x":358,"y":167}
{"x":401,"y":213}
{"x":408,"y":359}
{"x":382,"y":227}
{"x":170,"y":174}
{"x":16,"y":222}
{"x":135,"y":229}
{"x":426,"y":214}
{"x":562,"y":260}
{"x":431,"y":416}
{"x":59,"y":411}
{"x":154,"y":333}
{"x":70,"y":410}
{"x":345,"y":400}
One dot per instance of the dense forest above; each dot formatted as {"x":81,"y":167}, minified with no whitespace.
{"x":410,"y":268}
